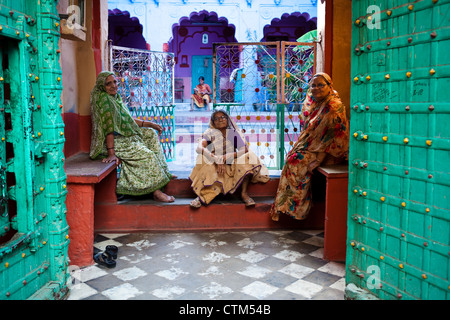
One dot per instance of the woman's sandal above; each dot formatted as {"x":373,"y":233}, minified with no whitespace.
{"x":195,"y":203}
{"x":249,"y":202}
{"x":103,"y":260}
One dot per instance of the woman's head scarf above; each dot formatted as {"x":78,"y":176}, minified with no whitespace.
{"x":309,"y":104}
{"x":324,"y":123}
{"x":109,"y":115}
{"x":327,"y":78}
{"x":235,"y":139}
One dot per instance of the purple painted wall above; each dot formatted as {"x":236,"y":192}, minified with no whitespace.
{"x":124,"y":30}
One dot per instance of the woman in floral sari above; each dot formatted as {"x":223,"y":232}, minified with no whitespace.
{"x":324,"y":139}
{"x":117,"y":137}
{"x":202,"y":95}
{"x":224,"y":162}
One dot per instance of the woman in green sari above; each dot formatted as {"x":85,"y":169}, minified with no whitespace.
{"x":117,"y":137}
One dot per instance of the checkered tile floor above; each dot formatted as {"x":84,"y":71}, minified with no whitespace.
{"x":253,"y":265}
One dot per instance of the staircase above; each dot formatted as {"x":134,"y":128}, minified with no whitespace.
{"x":226,"y":212}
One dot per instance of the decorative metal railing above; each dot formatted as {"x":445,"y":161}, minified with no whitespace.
{"x":146,"y":84}
{"x":262,"y":86}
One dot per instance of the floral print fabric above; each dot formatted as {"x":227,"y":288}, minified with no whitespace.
{"x":325,"y":138}
{"x":199,"y":98}
{"x":109,"y":115}
{"x":143,"y":166}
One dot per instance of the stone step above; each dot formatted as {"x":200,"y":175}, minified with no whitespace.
{"x":224,"y":213}
{"x":181,"y":187}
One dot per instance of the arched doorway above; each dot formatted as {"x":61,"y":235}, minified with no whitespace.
{"x":191,"y":42}
{"x":289,"y":27}
{"x":124,"y":30}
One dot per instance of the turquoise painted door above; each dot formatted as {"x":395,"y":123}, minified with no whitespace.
{"x":4,"y":217}
{"x":34,"y":234}
{"x":202,"y":66}
{"x":398,"y":243}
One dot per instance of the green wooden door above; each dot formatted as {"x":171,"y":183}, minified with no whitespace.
{"x":4,"y":216}
{"x":399,"y":178}
{"x":34,"y":237}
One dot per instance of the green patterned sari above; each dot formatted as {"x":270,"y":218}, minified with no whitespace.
{"x":143,"y":166}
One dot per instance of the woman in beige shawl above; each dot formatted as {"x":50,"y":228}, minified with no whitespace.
{"x":224,"y":162}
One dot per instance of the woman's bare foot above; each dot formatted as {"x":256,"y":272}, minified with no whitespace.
{"x":158,"y":195}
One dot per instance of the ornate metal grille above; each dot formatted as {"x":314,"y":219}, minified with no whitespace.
{"x":262,"y":86}
{"x":146,"y":84}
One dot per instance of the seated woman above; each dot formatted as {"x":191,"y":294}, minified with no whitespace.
{"x":202,"y":95}
{"x":117,"y":137}
{"x":224,"y":162}
{"x":324,"y":139}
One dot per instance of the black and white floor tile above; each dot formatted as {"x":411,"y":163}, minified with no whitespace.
{"x":231,"y":265}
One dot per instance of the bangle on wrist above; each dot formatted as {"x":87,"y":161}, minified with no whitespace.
{"x":109,"y":148}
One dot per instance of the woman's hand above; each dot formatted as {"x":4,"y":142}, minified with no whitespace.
{"x":201,"y":147}
{"x":110,"y":149}
{"x":229,"y":157}
{"x":221,"y":169}
{"x":313,"y":165}
{"x":112,"y":158}
{"x":157,"y":127}
{"x":316,"y":162}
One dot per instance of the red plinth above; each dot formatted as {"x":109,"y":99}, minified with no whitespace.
{"x":335,"y":212}
{"x":80,"y":218}
{"x":84,"y":177}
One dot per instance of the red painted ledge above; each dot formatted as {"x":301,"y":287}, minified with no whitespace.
{"x":81,"y":169}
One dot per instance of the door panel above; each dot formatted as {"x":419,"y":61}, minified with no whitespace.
{"x":4,"y":216}
{"x":202,"y":66}
{"x":398,"y":239}
{"x":33,"y":251}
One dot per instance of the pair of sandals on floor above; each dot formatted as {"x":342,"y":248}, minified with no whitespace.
{"x":249,"y":202}
{"x":106,"y":258}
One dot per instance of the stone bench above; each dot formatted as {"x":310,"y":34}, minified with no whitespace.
{"x":87,"y":181}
